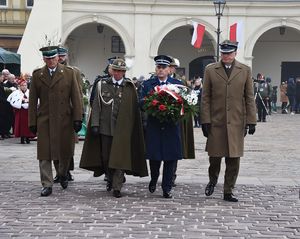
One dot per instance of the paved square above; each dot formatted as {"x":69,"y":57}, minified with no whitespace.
{"x":267,"y":188}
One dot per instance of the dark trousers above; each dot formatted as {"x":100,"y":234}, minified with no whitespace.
{"x":115,"y":176}
{"x":231,"y":172}
{"x":168,"y":171}
{"x":261,"y":108}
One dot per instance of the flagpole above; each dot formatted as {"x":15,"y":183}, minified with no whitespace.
{"x":219,"y":7}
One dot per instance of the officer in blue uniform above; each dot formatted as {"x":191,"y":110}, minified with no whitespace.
{"x":163,"y":140}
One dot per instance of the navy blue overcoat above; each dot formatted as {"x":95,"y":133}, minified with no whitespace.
{"x":163,"y":140}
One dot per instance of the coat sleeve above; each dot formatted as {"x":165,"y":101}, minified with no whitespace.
{"x":206,"y":99}
{"x":76,"y":99}
{"x":96,"y":106}
{"x":249,"y":100}
{"x":33,"y":102}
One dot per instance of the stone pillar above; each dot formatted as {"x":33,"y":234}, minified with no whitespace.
{"x":45,"y":19}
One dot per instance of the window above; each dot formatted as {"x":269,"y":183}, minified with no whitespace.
{"x":3,"y":3}
{"x":117,"y":45}
{"x":29,"y":3}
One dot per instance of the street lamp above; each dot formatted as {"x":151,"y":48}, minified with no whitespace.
{"x":219,"y":7}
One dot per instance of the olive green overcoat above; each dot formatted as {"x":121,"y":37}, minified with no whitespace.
{"x":54,"y":104}
{"x":128,"y":147}
{"x":228,"y":105}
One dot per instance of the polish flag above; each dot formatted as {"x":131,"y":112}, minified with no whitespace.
{"x":198,"y":34}
{"x":236,"y":32}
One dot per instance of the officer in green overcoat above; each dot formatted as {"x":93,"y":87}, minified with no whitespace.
{"x":55,"y":112}
{"x":114,"y":143}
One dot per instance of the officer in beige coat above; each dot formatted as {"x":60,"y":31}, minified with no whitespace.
{"x":227,"y":112}
{"x":55,"y":112}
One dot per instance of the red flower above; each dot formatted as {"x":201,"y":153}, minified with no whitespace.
{"x":162,"y":108}
{"x":154,"y":102}
{"x":179,"y":100}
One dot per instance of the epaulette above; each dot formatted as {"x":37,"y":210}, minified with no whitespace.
{"x":70,"y":67}
{"x":37,"y":69}
{"x":210,"y":64}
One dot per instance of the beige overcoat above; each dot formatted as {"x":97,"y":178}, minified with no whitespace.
{"x":54,"y":104}
{"x":228,"y":105}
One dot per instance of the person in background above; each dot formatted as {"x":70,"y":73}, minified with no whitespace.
{"x":55,"y":112}
{"x":291,"y":94}
{"x":19,"y":99}
{"x":283,"y":97}
{"x":274,"y":99}
{"x":198,"y":90}
{"x":297,"y":97}
{"x":227,"y":112}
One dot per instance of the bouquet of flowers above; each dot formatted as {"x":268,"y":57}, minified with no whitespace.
{"x":171,"y":103}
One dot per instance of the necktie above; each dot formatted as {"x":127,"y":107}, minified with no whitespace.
{"x":162,"y":83}
{"x":52,"y":73}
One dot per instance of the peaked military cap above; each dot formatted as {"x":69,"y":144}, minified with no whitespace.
{"x":228,"y":46}
{"x":118,"y":64}
{"x":62,"y":51}
{"x":162,"y":60}
{"x":175,"y":62}
{"x":49,"y":51}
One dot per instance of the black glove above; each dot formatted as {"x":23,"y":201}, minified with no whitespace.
{"x":95,"y":130}
{"x":77,"y":125}
{"x":251,"y":128}
{"x":205,"y":129}
{"x":33,"y":129}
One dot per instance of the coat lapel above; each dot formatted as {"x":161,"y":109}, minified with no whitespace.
{"x":45,"y":77}
{"x":220,"y":71}
{"x":235,"y":71}
{"x":58,"y":75}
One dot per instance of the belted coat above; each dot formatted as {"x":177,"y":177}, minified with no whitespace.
{"x":228,"y":105}
{"x":54,"y":104}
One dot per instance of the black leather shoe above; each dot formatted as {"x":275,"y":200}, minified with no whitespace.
{"x":117,"y":194}
{"x":167,"y":195}
{"x":46,"y":191}
{"x":27,"y":140}
{"x":209,"y":190}
{"x":70,"y":176}
{"x":229,"y":197}
{"x":105,"y":178}
{"x":64,"y":182}
{"x":152,"y":187}
{"x":56,"y":179}
{"x":124,"y":180}
{"x":108,"y":186}
{"x":22,"y":140}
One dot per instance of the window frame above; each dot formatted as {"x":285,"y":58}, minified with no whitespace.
{"x":4,"y":6}
{"x":120,"y":45}
{"x":28,"y":6}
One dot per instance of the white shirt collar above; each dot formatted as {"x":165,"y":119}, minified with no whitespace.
{"x":51,"y":70}
{"x":119,"y":82}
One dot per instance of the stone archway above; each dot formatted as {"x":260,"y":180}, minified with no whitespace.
{"x":165,"y":29}
{"x":177,"y":43}
{"x":92,"y":40}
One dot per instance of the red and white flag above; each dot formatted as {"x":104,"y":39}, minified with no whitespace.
{"x":236,"y":32}
{"x":198,"y":34}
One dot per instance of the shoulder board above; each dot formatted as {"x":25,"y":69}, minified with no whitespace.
{"x":69,"y":67}
{"x":37,"y":69}
{"x":210,"y":64}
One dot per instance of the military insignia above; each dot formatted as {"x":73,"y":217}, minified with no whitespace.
{"x":61,"y":71}
{"x":120,"y":94}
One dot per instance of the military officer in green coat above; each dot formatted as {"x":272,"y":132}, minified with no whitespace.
{"x":55,"y":112}
{"x":114,"y":143}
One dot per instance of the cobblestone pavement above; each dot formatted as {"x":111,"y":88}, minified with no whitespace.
{"x":268,"y":191}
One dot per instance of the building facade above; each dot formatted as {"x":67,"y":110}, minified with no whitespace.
{"x":138,"y":30}
{"x":14,"y":15}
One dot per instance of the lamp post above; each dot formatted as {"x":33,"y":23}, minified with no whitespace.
{"x":219,"y":7}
